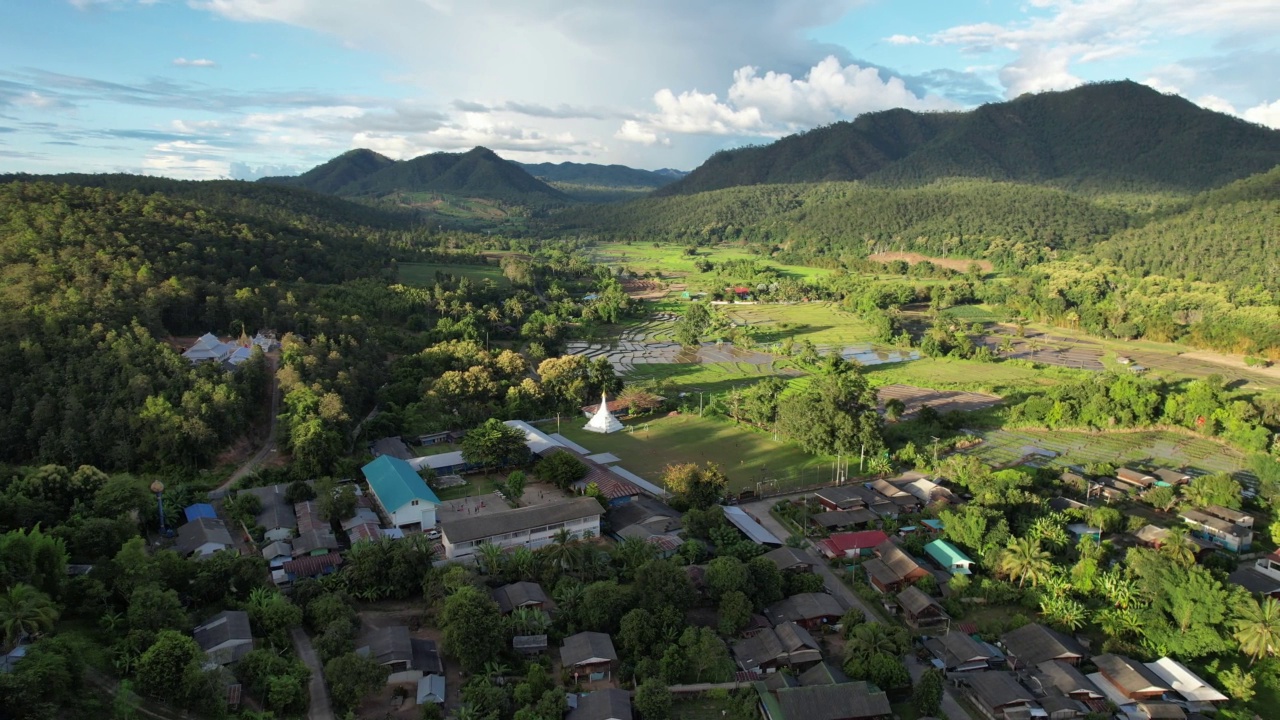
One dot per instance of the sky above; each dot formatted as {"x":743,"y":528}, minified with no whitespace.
{"x":245,"y":88}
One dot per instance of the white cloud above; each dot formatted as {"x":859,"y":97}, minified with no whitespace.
{"x":1215,"y":103}
{"x":1265,"y":114}
{"x":776,"y":103}
{"x":197,"y":62}
{"x":903,"y":40}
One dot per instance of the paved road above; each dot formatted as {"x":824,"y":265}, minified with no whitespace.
{"x":269,"y":445}
{"x":951,"y":709}
{"x":320,"y":708}
{"x":760,"y":511}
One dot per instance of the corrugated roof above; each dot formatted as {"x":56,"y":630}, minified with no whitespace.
{"x":1129,"y":675}
{"x":396,"y":484}
{"x":202,"y":531}
{"x":844,"y":701}
{"x":587,"y":646}
{"x":1184,"y":682}
{"x":997,"y":689}
{"x":749,"y":527}
{"x":640,"y":482}
{"x":224,"y":627}
{"x":312,"y":565}
{"x":788,"y":557}
{"x":477,"y":527}
{"x":1034,"y":643}
{"x":915,"y":601}
{"x":802,"y":607}
{"x":199,"y":510}
{"x":537,"y":441}
{"x":1067,"y":678}
{"x":607,"y":704}
{"x":949,"y":556}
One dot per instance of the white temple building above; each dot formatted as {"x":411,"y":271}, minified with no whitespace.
{"x":209,"y":348}
{"x":603,"y":421}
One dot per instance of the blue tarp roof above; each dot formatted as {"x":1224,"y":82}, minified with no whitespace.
{"x":395,"y":483}
{"x":752,"y":529}
{"x":200,"y":510}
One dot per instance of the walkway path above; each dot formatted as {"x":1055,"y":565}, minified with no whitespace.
{"x":320,"y":708}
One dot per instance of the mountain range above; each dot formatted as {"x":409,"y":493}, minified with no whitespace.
{"x":1100,"y":137}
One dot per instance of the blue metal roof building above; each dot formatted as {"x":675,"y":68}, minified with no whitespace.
{"x":200,"y":510}
{"x":402,"y":494}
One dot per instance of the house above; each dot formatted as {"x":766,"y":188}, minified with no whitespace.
{"x":928,"y":492}
{"x":998,"y":693}
{"x":841,"y":519}
{"x":1157,"y":710}
{"x":1063,"y":504}
{"x":1170,"y":478}
{"x":949,"y":558}
{"x":406,"y":658}
{"x":199,"y":510}
{"x":1226,"y":534}
{"x":538,"y":442}
{"x":590,"y":654}
{"x":208,"y":348}
{"x":403,"y":496}
{"x":887,"y":489}
{"x":531,"y":527}
{"x":607,"y":704}
{"x":316,"y":542}
{"x":808,"y":610}
{"x":836,"y":701}
{"x":1199,"y":695}
{"x":277,"y":554}
{"x":393,"y":446}
{"x":225,"y":637}
{"x":613,"y":488}
{"x":446,"y":463}
{"x":437,"y":438}
{"x":787,"y":645}
{"x":822,"y":674}
{"x":892,"y":569}
{"x":959,"y":652}
{"x":919,"y":610}
{"x":276,"y":518}
{"x":1083,"y":530}
{"x":431,"y":689}
{"x":1056,"y":676}
{"x":749,"y":526}
{"x":853,"y":544}
{"x":529,"y":644}
{"x":643,"y":517}
{"x":789,"y":559}
{"x":1235,"y":517}
{"x":1059,"y":707}
{"x":843,"y":497}
{"x":307,"y":567}
{"x":521,"y":595}
{"x":203,"y":537}
{"x":1032,"y":644}
{"x":1262,"y":578}
{"x":1134,"y":680}
{"x":1134,"y":480}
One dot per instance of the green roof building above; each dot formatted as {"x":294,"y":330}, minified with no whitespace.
{"x":401,"y":493}
{"x":949,"y":557}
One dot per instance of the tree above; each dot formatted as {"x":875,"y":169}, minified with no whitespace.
{"x":725,"y":575}
{"x":561,"y":469}
{"x":1178,"y":547}
{"x":1023,"y":560}
{"x":336,"y":502}
{"x":152,"y":609}
{"x":299,"y":491}
{"x":1257,"y":628}
{"x":693,"y":325}
{"x":700,"y":487}
{"x":836,"y":413}
{"x":494,"y":444}
{"x":515,"y":486}
{"x":1161,"y":498}
{"x":351,"y":677}
{"x":1219,"y":489}
{"x":163,"y":669}
{"x":273,"y":615}
{"x":25,"y":610}
{"x":766,"y":582}
{"x":662,"y":583}
{"x":603,"y":605}
{"x":735,"y":613}
{"x":473,"y":628}
{"x":927,"y":696}
{"x":893,"y":409}
{"x":653,"y":700}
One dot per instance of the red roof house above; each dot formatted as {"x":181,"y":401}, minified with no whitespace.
{"x":852,"y":544}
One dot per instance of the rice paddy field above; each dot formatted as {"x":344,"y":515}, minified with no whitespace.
{"x":823,"y":323}
{"x":1155,"y":447}
{"x":424,"y":274}
{"x":747,"y":456}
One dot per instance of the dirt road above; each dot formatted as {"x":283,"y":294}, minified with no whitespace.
{"x":250,"y":466}
{"x":320,"y":708}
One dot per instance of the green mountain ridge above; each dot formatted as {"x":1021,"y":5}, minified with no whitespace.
{"x":479,"y":172}
{"x":596,"y":175}
{"x":1101,"y":137}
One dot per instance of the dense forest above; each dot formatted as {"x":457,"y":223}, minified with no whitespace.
{"x":1100,"y":137}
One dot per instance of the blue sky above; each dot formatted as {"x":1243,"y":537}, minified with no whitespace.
{"x":241,"y":88}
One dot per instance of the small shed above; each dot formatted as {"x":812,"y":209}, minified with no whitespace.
{"x":949,"y":558}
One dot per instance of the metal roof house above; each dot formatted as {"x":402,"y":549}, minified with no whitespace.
{"x":401,"y":493}
{"x":809,"y":610}
{"x":1226,"y":534}
{"x":203,"y":537}
{"x":532,"y":527}
{"x":606,"y":704}
{"x":1033,"y":644}
{"x":199,"y":510}
{"x":750,"y":526}
{"x":1131,"y":678}
{"x":225,"y":637}
{"x":1197,"y":693}
{"x":949,"y":558}
{"x":589,"y":653}
{"x":919,"y":610}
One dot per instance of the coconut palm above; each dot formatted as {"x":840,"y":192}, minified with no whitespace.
{"x":490,"y":557}
{"x":560,"y":552}
{"x":1023,"y":560}
{"x":867,"y":641}
{"x":1257,"y":627}
{"x":522,"y":564}
{"x":569,"y":595}
{"x":634,"y":552}
{"x":25,"y":610}
{"x":1177,"y":546}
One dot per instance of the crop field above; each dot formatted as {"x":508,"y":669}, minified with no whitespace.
{"x":424,"y":274}
{"x":953,"y":374}
{"x":671,"y":262}
{"x":944,"y":401}
{"x":822,"y":323}
{"x":972,"y":314}
{"x":1155,"y":447}
{"x":713,"y":377}
{"x":747,"y":456}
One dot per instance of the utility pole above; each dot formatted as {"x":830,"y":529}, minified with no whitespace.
{"x":935,"y":454}
{"x":862,"y":453}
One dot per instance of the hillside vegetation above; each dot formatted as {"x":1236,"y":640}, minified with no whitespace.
{"x":1100,"y":138}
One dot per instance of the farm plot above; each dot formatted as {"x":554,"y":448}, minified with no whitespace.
{"x":1154,"y":447}
{"x":1047,"y":349}
{"x":944,"y":401}
{"x":424,"y":274}
{"x":822,"y":323}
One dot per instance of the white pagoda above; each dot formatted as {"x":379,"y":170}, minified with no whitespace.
{"x":603,"y":421}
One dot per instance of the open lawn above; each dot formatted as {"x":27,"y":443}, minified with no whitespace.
{"x":712,"y":377}
{"x":424,"y":274}
{"x":821,"y":323}
{"x":951,"y":374}
{"x":1155,"y":447}
{"x":670,"y":262}
{"x":746,"y":456}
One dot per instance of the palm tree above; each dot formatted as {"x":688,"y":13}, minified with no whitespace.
{"x":569,"y":595}
{"x":560,"y":552}
{"x":1177,"y":546}
{"x":1023,"y":559}
{"x":1257,"y":627}
{"x":867,"y":641}
{"x":634,"y":552}
{"x":490,"y":556}
{"x":25,"y":610}
{"x":522,"y":563}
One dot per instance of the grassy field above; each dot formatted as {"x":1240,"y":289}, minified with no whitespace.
{"x":424,"y":274}
{"x":711,"y":377}
{"x":670,"y":262}
{"x":953,"y":374}
{"x":822,"y":323}
{"x":746,"y":456}
{"x":1155,"y":447}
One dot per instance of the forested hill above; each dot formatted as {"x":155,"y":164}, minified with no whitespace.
{"x":611,"y":176}
{"x":477,"y":173}
{"x":1101,"y":137}
{"x":1227,"y":235}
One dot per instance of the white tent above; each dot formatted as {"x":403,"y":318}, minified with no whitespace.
{"x":603,"y":421}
